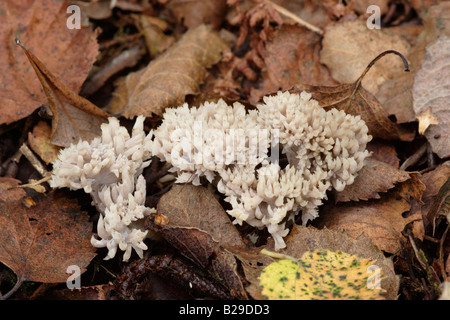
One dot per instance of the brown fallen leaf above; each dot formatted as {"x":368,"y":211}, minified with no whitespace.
{"x":396,"y":94}
{"x":375,"y":177}
{"x":349,"y":46}
{"x":40,"y":142}
{"x":291,"y":57}
{"x":68,"y":53}
{"x":381,"y":220}
{"x":40,"y":242}
{"x":302,"y":239}
{"x":169,"y":78}
{"x":196,"y":12}
{"x":433,"y":180}
{"x":431,"y":96}
{"x":74,"y":118}
{"x":354,"y":99}
{"x":382,"y":150}
{"x":190,"y":218}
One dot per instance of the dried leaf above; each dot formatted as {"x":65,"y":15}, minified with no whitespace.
{"x":169,"y":78}
{"x":348,"y":47}
{"x":41,"y":242}
{"x":431,"y":94}
{"x":381,"y":220}
{"x":191,"y":219}
{"x":384,"y":151}
{"x":74,"y":117}
{"x":302,"y":239}
{"x":320,"y":274}
{"x":41,"y":25}
{"x":196,"y":12}
{"x":292,"y":57}
{"x":40,"y":142}
{"x":355,"y":100}
{"x":375,"y":177}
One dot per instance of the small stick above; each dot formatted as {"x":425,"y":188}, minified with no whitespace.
{"x":277,"y":255}
{"x":33,"y":160}
{"x":289,"y":14}
{"x":414,"y":158}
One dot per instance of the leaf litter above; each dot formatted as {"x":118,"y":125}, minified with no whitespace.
{"x":395,"y":215}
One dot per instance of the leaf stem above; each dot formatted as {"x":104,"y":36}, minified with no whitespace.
{"x":13,"y":289}
{"x":405,"y":64}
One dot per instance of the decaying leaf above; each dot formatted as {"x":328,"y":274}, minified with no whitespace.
{"x":41,"y":25}
{"x":292,"y":57}
{"x":434,"y":196}
{"x":303,"y":239}
{"x":40,"y":142}
{"x":375,"y":177}
{"x":196,"y":12}
{"x":381,"y":220}
{"x":74,"y":117}
{"x":191,"y":219}
{"x":349,"y":46}
{"x":431,"y":95}
{"x":169,"y":78}
{"x":355,"y":100}
{"x":321,"y":274}
{"x":40,"y":242}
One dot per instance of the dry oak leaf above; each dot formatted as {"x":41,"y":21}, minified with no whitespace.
{"x":381,"y":220}
{"x":192,"y":220}
{"x":349,"y":46}
{"x":40,"y":242}
{"x":302,"y":239}
{"x":375,"y":177}
{"x":169,"y":78}
{"x":68,"y":53}
{"x":431,"y":96}
{"x":74,"y":118}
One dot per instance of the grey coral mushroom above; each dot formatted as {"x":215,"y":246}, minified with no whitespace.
{"x":325,"y":150}
{"x":109,"y":168}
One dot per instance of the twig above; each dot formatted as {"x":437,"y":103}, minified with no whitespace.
{"x":297,"y":19}
{"x":33,"y":160}
{"x":441,"y":253}
{"x":276,"y":255}
{"x":414,"y":157}
{"x":13,"y":289}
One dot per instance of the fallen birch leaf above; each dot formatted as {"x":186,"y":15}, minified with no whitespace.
{"x":39,"y":243}
{"x":303,"y":239}
{"x":381,"y":220}
{"x":74,"y":118}
{"x":41,"y":25}
{"x":169,"y":78}
{"x":375,"y":177}
{"x":320,"y":274}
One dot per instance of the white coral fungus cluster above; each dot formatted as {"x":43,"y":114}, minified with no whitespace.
{"x":235,"y":149}
{"x":324,"y":149}
{"x":109,"y":168}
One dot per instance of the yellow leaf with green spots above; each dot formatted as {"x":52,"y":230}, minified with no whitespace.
{"x":323,"y":275}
